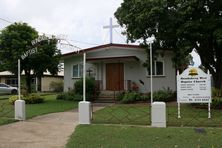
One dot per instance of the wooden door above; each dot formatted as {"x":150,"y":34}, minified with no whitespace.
{"x":114,"y":76}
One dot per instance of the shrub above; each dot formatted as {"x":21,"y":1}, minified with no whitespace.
{"x":71,"y":96}
{"x":29,"y":99}
{"x":216,"y":103}
{"x":120,"y":96}
{"x":65,"y":96}
{"x":145,"y":97}
{"x":164,"y":95}
{"x":13,"y":98}
{"x":91,"y":93}
{"x":56,"y":86}
{"x":128,"y":97}
{"x":216,"y":92}
{"x":33,"y":99}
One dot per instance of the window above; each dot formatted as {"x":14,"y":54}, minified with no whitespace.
{"x":158,"y":68}
{"x":77,"y":70}
{"x":3,"y":85}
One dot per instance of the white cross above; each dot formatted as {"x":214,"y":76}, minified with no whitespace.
{"x":111,"y":26}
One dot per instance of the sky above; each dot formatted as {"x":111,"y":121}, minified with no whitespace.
{"x":79,"y":22}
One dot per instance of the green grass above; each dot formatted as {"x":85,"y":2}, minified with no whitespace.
{"x":123,"y":114}
{"x":103,"y":136}
{"x":50,"y":105}
{"x":3,"y":97}
{"x":139,"y":114}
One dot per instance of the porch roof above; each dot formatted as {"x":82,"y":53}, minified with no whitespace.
{"x":113,"y":58}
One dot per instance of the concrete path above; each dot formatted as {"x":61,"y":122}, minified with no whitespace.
{"x":46,"y":131}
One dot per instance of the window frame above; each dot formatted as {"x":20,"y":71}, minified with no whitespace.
{"x":80,"y":74}
{"x":155,"y":69}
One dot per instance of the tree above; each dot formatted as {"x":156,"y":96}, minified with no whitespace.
{"x":179,"y":25}
{"x":17,"y":40}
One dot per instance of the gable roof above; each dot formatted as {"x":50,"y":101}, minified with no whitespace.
{"x":103,"y":46}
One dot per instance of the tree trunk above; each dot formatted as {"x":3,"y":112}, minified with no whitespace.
{"x":28,"y":81}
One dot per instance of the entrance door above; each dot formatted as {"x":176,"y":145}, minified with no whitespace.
{"x":114,"y":76}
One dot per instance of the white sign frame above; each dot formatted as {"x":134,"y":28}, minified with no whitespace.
{"x":193,"y":86}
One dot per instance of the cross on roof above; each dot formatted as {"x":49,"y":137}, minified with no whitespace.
{"x":111,"y":26}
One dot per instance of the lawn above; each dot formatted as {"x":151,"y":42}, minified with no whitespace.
{"x":104,"y":136}
{"x":49,"y":106}
{"x":139,"y":114}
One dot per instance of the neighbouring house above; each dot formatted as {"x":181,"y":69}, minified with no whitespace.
{"x":118,"y":67}
{"x":40,"y":84}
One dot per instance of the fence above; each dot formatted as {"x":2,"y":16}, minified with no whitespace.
{"x":140,"y":114}
{"x":6,"y":111}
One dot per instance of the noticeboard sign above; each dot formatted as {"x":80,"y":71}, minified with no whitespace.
{"x":194,"y":86}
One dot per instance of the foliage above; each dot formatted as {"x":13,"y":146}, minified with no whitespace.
{"x":120,"y":96}
{"x":56,"y":86}
{"x":164,"y":95}
{"x":33,"y":99}
{"x":13,"y":98}
{"x":29,"y":99}
{"x":130,"y":97}
{"x":179,"y":26}
{"x":71,"y":96}
{"x":91,"y":93}
{"x":18,"y":39}
{"x":216,"y":102}
{"x":216,"y":92}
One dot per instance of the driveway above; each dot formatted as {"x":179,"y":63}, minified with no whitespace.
{"x":46,"y":131}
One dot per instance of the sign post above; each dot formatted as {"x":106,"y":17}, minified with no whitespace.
{"x":193,"y":86}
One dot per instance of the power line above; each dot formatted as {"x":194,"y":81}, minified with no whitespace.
{"x":82,"y":42}
{"x":6,"y":20}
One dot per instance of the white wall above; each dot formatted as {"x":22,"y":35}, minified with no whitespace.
{"x":68,"y":80}
{"x":133,"y":70}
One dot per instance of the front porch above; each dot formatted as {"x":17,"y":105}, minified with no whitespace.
{"x":112,"y":74}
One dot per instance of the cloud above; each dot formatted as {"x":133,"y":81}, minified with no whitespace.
{"x":80,"y":20}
